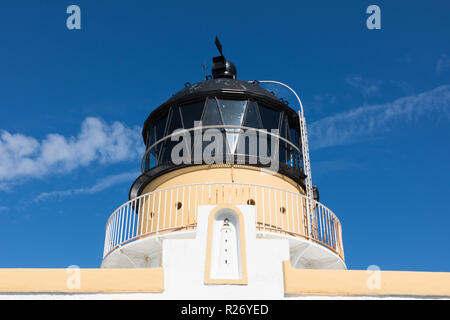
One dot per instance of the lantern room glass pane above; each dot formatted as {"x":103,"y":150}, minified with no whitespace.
{"x":252,"y":116}
{"x":160,"y":127}
{"x":157,"y":132}
{"x":294,"y":136}
{"x":191,"y":113}
{"x":232,"y":111}
{"x":270,"y":118}
{"x":211,"y":116}
{"x":175,"y":121}
{"x":284,"y":127}
{"x":166,"y":151}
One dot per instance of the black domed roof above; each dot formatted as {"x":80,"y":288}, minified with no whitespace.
{"x":221,"y":85}
{"x":224,"y":87}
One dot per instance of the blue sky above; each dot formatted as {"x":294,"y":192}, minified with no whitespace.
{"x":72,"y":103}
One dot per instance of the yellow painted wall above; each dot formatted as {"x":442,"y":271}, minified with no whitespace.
{"x":90,"y":280}
{"x":296,"y":281}
{"x":222,"y":173}
{"x":363,"y":282}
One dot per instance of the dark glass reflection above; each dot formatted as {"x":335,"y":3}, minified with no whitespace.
{"x":211,"y":115}
{"x":191,"y":113}
{"x":269,"y":117}
{"x":294,"y":136}
{"x":252,"y":116}
{"x":175,"y":121}
{"x":157,"y":132}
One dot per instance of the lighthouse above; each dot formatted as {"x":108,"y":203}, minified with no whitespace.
{"x":225,"y":194}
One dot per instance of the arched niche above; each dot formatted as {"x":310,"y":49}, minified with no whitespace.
{"x":226,"y":257}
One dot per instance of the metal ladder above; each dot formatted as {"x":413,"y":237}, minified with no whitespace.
{"x":308,"y":180}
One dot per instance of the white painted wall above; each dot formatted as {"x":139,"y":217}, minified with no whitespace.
{"x":184,"y":264}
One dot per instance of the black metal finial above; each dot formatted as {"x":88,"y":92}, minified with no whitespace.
{"x":222,"y":68}
{"x":218,"y":45}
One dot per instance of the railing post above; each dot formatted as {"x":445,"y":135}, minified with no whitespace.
{"x":263,"y":191}
{"x":340,"y":240}
{"x":255,"y":209}
{"x":159,"y":212}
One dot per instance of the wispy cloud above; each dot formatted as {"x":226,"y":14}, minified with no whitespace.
{"x":364,"y":122}
{"x":23,"y":157}
{"x":367,"y":87}
{"x":3,"y":208}
{"x":101,"y":185}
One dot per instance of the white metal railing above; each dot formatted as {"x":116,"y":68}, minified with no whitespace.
{"x":175,"y":208}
